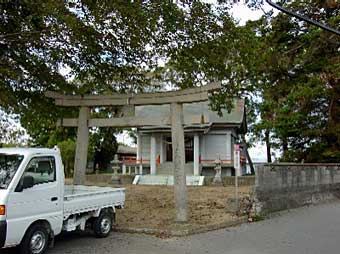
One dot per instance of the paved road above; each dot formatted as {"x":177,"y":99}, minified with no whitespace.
{"x":303,"y":231}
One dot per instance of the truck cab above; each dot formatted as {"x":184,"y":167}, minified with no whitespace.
{"x":33,"y":203}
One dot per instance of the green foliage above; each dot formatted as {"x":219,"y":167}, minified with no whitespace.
{"x":227,"y":54}
{"x":105,"y":146}
{"x":300,"y":91}
{"x":11,"y":134}
{"x":258,"y":217}
{"x":67,"y":150}
{"x":288,"y":70}
{"x":104,"y":47}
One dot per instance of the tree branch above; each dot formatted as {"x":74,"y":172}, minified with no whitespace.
{"x":301,"y":17}
{"x":3,"y":36}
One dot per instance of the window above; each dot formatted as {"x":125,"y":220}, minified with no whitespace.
{"x":9,"y":164}
{"x":42,"y":169}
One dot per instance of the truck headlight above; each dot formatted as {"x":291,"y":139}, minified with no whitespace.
{"x":2,"y":210}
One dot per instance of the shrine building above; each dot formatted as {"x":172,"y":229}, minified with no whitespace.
{"x":208,"y":137}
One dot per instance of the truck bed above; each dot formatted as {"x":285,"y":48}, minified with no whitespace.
{"x":79,"y":199}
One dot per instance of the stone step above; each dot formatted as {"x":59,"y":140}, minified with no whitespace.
{"x":167,"y":168}
{"x":166,"y":180}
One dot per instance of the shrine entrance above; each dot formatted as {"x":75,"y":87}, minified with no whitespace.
{"x":126,"y":104}
{"x":188,"y":148}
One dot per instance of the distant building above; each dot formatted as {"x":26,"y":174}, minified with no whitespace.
{"x":208,"y":137}
{"x":126,"y":153}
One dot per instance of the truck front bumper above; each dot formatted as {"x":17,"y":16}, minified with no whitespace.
{"x":3,"y":232}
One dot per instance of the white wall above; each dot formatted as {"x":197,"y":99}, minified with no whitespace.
{"x":145,"y":138}
{"x":216,"y":143}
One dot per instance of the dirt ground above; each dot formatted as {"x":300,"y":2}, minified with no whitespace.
{"x":153,"y":206}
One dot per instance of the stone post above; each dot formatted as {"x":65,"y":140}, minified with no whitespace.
{"x":180,"y":187}
{"x":196,"y":155}
{"x":115,"y":179}
{"x":80,"y":162}
{"x":218,"y":168}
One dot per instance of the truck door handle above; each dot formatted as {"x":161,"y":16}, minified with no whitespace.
{"x":54,"y":199}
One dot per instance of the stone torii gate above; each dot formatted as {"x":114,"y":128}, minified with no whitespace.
{"x":174,"y":98}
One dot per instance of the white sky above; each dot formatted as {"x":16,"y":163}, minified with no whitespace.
{"x":242,"y":13}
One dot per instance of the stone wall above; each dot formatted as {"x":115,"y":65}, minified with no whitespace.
{"x":230,"y":180}
{"x":285,"y":185}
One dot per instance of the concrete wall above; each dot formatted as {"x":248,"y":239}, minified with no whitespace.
{"x":230,"y":180}
{"x":284,"y":186}
{"x":216,"y":144}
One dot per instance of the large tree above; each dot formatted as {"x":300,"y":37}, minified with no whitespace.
{"x":288,"y":69}
{"x":106,"y":46}
{"x":300,"y":84}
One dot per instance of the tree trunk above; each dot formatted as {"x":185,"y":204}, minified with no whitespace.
{"x":267,"y":138}
{"x":252,"y":169}
{"x":284,"y":147}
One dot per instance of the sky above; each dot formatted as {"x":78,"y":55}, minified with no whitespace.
{"x":242,"y":13}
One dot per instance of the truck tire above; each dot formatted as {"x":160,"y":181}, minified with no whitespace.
{"x":102,"y":225}
{"x":35,"y":240}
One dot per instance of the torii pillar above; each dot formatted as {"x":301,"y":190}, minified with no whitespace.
{"x":79,"y":174}
{"x":178,"y":151}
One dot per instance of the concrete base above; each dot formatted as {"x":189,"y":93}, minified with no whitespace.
{"x":166,"y":180}
{"x":115,"y":179}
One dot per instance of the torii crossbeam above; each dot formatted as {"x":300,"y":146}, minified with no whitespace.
{"x":175,"y":119}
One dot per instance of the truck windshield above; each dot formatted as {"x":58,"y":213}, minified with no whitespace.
{"x":9,"y":164}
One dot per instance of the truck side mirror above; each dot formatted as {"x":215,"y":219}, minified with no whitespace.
{"x":25,"y":183}
{"x":28,"y":182}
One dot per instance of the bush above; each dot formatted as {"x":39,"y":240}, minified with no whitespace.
{"x":68,"y":151}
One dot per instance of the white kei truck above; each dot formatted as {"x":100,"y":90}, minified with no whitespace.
{"x":36,"y":205}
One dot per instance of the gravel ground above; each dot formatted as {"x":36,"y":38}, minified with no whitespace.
{"x":309,"y":230}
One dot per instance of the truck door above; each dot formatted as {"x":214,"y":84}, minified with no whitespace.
{"x":42,"y":201}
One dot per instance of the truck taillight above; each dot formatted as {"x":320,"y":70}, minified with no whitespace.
{"x":2,"y":210}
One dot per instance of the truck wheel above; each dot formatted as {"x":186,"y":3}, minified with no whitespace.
{"x":35,"y":240}
{"x":102,"y":225}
